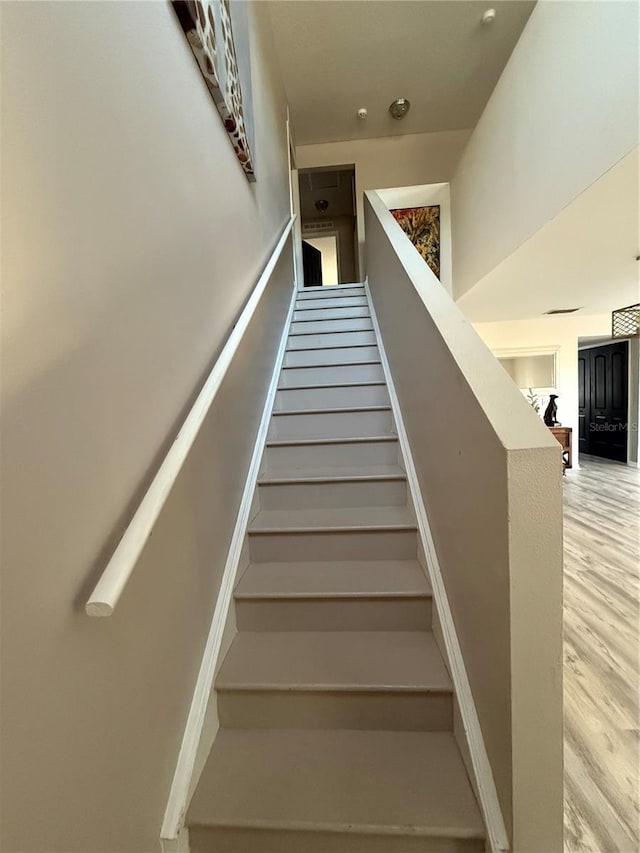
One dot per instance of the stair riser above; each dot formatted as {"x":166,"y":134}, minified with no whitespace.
{"x":333,"y":494}
{"x":332,"y":340}
{"x":331,"y":455}
{"x":331,"y":356}
{"x":252,"y":709}
{"x":325,"y":326}
{"x":357,"y":545}
{"x":330,"y":614}
{"x":331,"y":302}
{"x":241,"y":840}
{"x":328,"y":398}
{"x":331,"y":375}
{"x":340,"y":312}
{"x":332,"y":425}
{"x":331,"y":292}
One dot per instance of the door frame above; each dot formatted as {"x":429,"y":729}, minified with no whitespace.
{"x":294,"y":205}
{"x":327,"y":233}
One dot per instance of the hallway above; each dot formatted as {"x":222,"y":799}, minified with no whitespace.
{"x":602,"y":557}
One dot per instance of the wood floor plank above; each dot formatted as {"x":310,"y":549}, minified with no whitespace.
{"x":602,"y":657}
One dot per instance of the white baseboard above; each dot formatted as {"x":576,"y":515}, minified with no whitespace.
{"x":172,"y":833}
{"x":498,"y":839}
{"x":633,"y":464}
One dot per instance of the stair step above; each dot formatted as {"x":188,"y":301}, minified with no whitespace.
{"x":337,"y":490}
{"x":376,"y":595}
{"x":330,"y":355}
{"x":352,"y":533}
{"x":331,"y":340}
{"x":352,"y":422}
{"x":275,"y":791}
{"x":332,"y":291}
{"x":331,"y":302}
{"x":327,"y":327}
{"x":310,"y":454}
{"x":332,"y":373}
{"x":332,"y":520}
{"x":339,"y":312}
{"x":340,"y":395}
{"x":335,"y":679}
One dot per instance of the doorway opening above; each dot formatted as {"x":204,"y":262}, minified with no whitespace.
{"x":328,"y":225}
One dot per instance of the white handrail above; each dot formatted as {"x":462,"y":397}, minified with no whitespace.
{"x":119,"y":569}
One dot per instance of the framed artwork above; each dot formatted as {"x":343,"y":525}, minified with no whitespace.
{"x":422,"y":227}
{"x":207,"y":26}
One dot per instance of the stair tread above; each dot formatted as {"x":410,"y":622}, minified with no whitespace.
{"x":323,"y":386}
{"x":374,"y":781}
{"x":334,"y":660}
{"x":335,"y":579}
{"x":347,"y":518}
{"x":332,"y":410}
{"x":350,"y":472}
{"x":283,"y":442}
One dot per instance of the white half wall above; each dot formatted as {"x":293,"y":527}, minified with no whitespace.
{"x":390,"y":161}
{"x":564,"y":111}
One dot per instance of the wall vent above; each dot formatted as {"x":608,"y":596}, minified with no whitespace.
{"x":323,"y":225}
{"x":562,"y":311}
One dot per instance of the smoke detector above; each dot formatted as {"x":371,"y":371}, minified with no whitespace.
{"x":399,"y":108}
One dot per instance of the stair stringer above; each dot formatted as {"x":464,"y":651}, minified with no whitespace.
{"x":468,"y":732}
{"x":202,"y":720}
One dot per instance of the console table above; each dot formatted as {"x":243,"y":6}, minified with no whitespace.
{"x":563,"y":437}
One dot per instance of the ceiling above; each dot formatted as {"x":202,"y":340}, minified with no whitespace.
{"x":336,"y":57}
{"x":583,"y":258}
{"x":332,"y":185}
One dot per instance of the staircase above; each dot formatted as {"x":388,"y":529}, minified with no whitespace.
{"x":335,"y":706}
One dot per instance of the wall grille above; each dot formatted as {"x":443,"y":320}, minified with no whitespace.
{"x":323,"y":225}
{"x":625,"y":322}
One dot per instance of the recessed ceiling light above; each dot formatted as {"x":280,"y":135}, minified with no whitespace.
{"x":489,"y":16}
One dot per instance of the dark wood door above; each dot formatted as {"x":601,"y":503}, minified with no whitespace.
{"x":584,"y":400}
{"x":312,"y":265}
{"x":603,"y":378}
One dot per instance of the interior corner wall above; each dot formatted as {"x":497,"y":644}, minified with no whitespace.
{"x":390,"y":161}
{"x":564,"y":111}
{"x":131,"y":242}
{"x":561,"y":333}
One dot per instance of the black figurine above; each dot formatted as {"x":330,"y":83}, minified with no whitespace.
{"x":551,"y":411}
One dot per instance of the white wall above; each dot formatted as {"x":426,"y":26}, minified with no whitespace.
{"x":563,"y":112}
{"x":391,"y":161}
{"x":560,"y":334}
{"x":422,"y":196}
{"x":131,"y":242}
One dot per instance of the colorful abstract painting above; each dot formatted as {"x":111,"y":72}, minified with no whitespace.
{"x":207,"y":26}
{"x":422,"y":227}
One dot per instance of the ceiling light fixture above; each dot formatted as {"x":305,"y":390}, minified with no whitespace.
{"x":362,"y":112}
{"x":322,"y":204}
{"x":399,"y":108}
{"x":562,"y":311}
{"x":489,"y":17}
